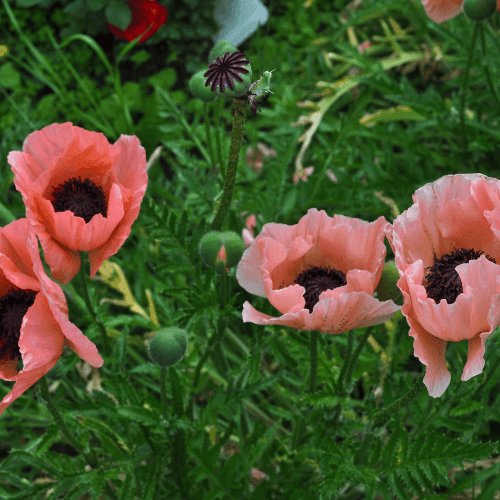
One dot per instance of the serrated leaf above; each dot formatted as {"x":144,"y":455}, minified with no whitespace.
{"x":465,"y":407}
{"x":321,"y":400}
{"x":139,"y":414}
{"x":31,"y":459}
{"x":50,"y":436}
{"x":113,"y":443}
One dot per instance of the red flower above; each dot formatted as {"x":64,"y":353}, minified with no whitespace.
{"x":146,"y":15}
{"x":81,"y":193}
{"x":447,"y":252}
{"x":320,"y":274}
{"x":34,"y":321}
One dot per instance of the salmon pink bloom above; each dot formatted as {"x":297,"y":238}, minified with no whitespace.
{"x":145,"y":14}
{"x":446,"y":248}
{"x":443,"y":10}
{"x":320,"y":274}
{"x":81,"y":193}
{"x":34,"y":322}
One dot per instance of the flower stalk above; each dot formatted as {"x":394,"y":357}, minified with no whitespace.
{"x":314,"y":362}
{"x":90,"y":307}
{"x":239,"y":115}
{"x":464,"y":88}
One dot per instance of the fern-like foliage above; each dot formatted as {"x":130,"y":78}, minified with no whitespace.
{"x":415,"y":467}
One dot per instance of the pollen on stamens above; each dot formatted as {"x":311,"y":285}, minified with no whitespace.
{"x":13,"y":307}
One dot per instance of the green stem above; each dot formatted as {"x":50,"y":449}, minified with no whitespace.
{"x":340,"y":382}
{"x":314,"y":362}
{"x":239,"y":115}
{"x":179,"y":444}
{"x":486,"y":67}
{"x":220,"y":154}
{"x":356,"y":354}
{"x":464,"y":88}
{"x":163,"y":392}
{"x":90,"y":307}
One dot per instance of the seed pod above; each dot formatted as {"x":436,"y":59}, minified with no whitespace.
{"x":479,"y":10}
{"x":229,"y":72}
{"x":168,"y":346}
{"x":387,"y":288}
{"x":220,"y":48}
{"x":198,"y":89}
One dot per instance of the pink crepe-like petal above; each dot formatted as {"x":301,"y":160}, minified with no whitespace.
{"x":41,"y":345}
{"x":60,"y":152}
{"x":431,"y":352}
{"x":56,"y":301}
{"x":456,"y":211}
{"x":280,"y":253}
{"x":442,"y":10}
{"x":15,"y":260}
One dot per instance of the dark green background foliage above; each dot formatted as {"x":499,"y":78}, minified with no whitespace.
{"x":257,"y":414}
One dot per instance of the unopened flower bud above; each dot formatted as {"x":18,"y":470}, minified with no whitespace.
{"x":168,"y":346}
{"x":221,"y":250}
{"x":198,"y":89}
{"x":387,"y":288}
{"x":479,"y":10}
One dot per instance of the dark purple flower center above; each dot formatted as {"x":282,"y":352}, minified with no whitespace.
{"x":317,"y":280}
{"x":442,"y":281}
{"x":84,"y":198}
{"x":13,"y":307}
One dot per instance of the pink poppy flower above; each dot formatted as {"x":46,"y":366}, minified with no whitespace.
{"x":443,"y":10}
{"x":146,"y":15}
{"x":320,"y":274}
{"x":34,"y":323}
{"x":445,"y":252}
{"x":81,"y":193}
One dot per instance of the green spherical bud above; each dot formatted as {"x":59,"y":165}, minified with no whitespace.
{"x":168,"y":346}
{"x":221,"y":251}
{"x":387,"y":288}
{"x":479,"y":10}
{"x":220,"y":49}
{"x":198,"y":89}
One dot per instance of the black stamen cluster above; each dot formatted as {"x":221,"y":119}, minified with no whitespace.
{"x":316,"y":280}
{"x":224,"y":70}
{"x":13,"y":307}
{"x":442,"y":280}
{"x":84,"y":198}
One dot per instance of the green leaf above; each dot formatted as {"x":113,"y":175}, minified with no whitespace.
{"x":465,"y":407}
{"x":10,"y":78}
{"x":96,"y":4}
{"x":140,"y":415}
{"x":165,"y":79}
{"x":118,"y":14}
{"x":27,"y":3}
